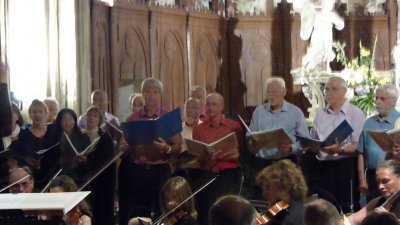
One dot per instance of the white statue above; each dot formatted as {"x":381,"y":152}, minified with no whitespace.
{"x":318,"y":24}
{"x":375,"y":6}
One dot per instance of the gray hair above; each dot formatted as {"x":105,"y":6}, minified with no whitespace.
{"x":343,"y":83}
{"x":197,"y":87}
{"x":279,"y":80}
{"x":152,"y":83}
{"x":391,"y":90}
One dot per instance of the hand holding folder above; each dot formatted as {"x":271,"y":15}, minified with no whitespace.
{"x":146,"y":131}
{"x":268,"y":139}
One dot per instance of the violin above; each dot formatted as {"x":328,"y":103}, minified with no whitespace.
{"x":74,"y":216}
{"x":392,"y":203}
{"x":272,"y":211}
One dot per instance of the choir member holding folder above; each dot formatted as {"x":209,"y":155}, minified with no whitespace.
{"x":371,"y":155}
{"x":103,"y":186}
{"x":71,"y":136}
{"x":145,"y":167}
{"x":221,"y":161}
{"x":335,"y":169}
{"x":276,"y":114}
{"x":34,"y":139}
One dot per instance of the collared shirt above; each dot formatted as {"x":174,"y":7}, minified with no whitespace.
{"x":108,"y":117}
{"x":207,"y":133}
{"x":326,"y":121}
{"x":187,"y":133}
{"x":290,"y":118}
{"x":140,"y":153}
{"x":373,"y":153}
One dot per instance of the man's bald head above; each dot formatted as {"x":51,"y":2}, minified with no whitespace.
{"x":232,"y":210}
{"x":99,"y":99}
{"x":214,"y":105}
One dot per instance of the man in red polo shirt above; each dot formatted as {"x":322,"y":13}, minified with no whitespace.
{"x":223,"y":162}
{"x":145,"y":168}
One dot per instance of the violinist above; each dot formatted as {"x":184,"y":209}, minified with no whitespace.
{"x":173,"y":192}
{"x":283,"y":183}
{"x":81,"y":214}
{"x":388,"y":182}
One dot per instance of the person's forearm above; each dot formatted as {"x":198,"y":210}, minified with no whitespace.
{"x":361,"y":167}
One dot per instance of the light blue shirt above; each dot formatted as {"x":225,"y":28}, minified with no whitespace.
{"x":373,"y":153}
{"x":290,"y":118}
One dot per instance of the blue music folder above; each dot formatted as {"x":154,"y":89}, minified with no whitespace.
{"x":146,"y":131}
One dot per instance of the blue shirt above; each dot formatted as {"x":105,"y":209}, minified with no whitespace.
{"x":290,"y":118}
{"x":373,"y":153}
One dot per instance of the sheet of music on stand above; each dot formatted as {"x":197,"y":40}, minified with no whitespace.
{"x":61,"y":202}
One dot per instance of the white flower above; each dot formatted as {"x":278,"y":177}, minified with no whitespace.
{"x":352,"y":77}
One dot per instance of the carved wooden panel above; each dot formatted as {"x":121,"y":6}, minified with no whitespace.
{"x":365,"y":29}
{"x":101,"y":56}
{"x":204,"y":34}
{"x":256,"y":53}
{"x":130,"y":41}
{"x":169,"y":54}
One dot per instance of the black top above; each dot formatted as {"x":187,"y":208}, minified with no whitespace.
{"x":5,"y":111}
{"x":292,"y":216}
{"x":186,"y":220}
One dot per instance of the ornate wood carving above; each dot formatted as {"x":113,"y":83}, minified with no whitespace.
{"x":130,"y":41}
{"x":101,"y":55}
{"x":204,"y":34}
{"x":169,"y":54}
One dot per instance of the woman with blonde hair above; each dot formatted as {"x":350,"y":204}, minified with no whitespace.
{"x":283,"y":183}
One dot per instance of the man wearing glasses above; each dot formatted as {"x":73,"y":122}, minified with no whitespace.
{"x":332,"y":168}
{"x":23,"y":186}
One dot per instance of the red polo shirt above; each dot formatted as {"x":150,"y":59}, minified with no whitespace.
{"x":207,"y":133}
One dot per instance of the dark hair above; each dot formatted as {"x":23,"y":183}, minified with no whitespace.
{"x":232,"y":210}
{"x":15,"y":109}
{"x":378,"y":218}
{"x":59,"y":117}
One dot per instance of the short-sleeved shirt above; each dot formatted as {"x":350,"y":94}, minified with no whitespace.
{"x":290,"y":118}
{"x":207,"y":133}
{"x":373,"y":153}
{"x":326,"y":121}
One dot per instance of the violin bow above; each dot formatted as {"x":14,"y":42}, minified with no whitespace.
{"x":16,"y":182}
{"x":157,"y":221}
{"x":101,"y":170}
{"x":51,"y":180}
{"x":387,"y":204}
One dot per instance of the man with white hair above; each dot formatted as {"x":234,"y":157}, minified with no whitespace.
{"x":371,"y":155}
{"x":336,"y":165}
{"x":277,"y":113}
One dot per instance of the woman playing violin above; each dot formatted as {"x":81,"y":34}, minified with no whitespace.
{"x":283,"y":186}
{"x":81,"y":214}
{"x":173,"y":192}
{"x":388,"y":181}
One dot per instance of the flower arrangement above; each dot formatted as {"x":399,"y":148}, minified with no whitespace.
{"x":361,"y":76}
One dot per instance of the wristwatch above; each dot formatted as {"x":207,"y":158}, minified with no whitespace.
{"x":342,"y":152}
